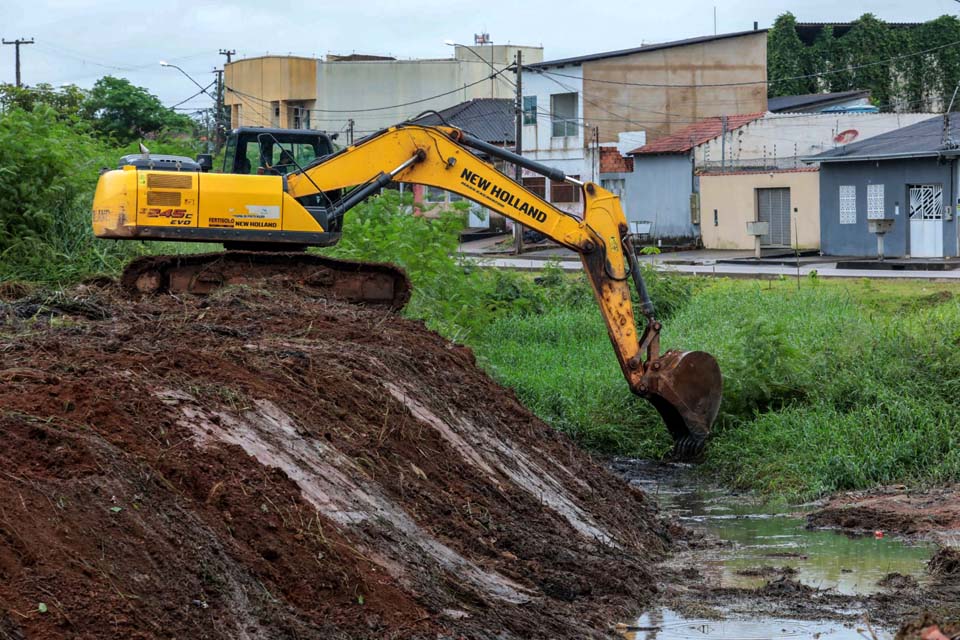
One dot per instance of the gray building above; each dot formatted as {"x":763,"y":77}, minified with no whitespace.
{"x":907,"y":176}
{"x":662,"y":187}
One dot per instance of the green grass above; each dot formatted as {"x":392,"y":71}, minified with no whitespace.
{"x":840,"y":385}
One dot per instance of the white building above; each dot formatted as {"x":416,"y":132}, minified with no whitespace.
{"x":359,"y":94}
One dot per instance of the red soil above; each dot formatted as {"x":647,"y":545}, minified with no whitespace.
{"x":268,"y":464}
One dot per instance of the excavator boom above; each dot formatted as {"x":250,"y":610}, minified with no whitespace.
{"x":685,"y":387}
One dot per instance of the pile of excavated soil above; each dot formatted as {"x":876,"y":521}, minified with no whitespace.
{"x":892,"y":509}
{"x":265,"y":463}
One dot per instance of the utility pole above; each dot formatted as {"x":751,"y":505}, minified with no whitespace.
{"x":350,"y":124}
{"x":220,"y":122}
{"x":17,"y":43}
{"x":518,"y":149}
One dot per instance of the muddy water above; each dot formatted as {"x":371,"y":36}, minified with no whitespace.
{"x":762,"y":542}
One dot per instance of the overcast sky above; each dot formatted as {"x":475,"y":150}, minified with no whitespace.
{"x":77,"y":42}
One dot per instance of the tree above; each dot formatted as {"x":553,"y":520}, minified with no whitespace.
{"x":785,"y":59}
{"x":121,"y":111}
{"x":868,"y":46}
{"x":67,"y":101}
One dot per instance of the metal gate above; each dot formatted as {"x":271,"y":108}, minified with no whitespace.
{"x":773,"y":206}
{"x":926,"y":221}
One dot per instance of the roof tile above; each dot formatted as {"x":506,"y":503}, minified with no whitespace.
{"x":695,"y":134}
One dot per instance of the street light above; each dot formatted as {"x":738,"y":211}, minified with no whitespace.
{"x":163,"y":63}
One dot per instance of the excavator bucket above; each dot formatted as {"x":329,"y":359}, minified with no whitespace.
{"x":685,"y":387}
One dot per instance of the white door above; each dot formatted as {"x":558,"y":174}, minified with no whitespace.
{"x":926,"y":221}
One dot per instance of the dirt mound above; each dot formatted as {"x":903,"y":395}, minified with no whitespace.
{"x":929,"y":626}
{"x":269,"y":464}
{"x":892,"y":509}
{"x":897,"y":582}
{"x":945,"y":563}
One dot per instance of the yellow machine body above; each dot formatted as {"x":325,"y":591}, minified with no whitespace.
{"x":132,"y":203}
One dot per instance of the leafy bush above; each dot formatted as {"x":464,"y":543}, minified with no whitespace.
{"x":48,"y":172}
{"x":451,"y":294}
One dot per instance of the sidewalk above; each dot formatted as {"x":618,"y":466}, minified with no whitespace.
{"x":703,"y":263}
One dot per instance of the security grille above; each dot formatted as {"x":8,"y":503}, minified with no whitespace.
{"x":169,"y":180}
{"x":926,"y":202}
{"x":163,"y":198}
{"x":848,"y":204}
{"x":773,"y":207}
{"x":875,"y":202}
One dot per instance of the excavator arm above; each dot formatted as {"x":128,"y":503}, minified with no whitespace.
{"x":685,"y":387}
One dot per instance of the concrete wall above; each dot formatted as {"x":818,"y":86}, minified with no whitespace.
{"x":346,"y":88}
{"x":854,"y":239}
{"x":662,"y":110}
{"x":733,"y":196}
{"x":782,"y":139}
{"x":338,"y":91}
{"x":658,"y":191}
{"x":257,"y":86}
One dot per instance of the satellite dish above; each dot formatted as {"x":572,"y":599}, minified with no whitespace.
{"x":846,"y":137}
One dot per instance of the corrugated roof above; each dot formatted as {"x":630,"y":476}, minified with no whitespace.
{"x":786,"y":103}
{"x":641,"y":49}
{"x":695,"y":134}
{"x":742,"y":172}
{"x":923,"y":139}
{"x":491,"y":119}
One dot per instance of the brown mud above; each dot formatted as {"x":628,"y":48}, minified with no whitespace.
{"x":271,"y":464}
{"x":892,"y":510}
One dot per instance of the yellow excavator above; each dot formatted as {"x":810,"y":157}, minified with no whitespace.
{"x":266,"y":219}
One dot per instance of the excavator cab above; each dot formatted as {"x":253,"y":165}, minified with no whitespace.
{"x":281,"y":152}
{"x":260,"y":150}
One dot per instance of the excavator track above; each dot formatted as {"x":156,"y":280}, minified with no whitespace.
{"x":369,"y":283}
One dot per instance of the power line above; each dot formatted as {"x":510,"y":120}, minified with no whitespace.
{"x":387,"y":108}
{"x":202,"y":91}
{"x":753,"y":82}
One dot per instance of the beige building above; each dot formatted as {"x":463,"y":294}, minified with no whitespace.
{"x":788,"y":199}
{"x":360,"y":94}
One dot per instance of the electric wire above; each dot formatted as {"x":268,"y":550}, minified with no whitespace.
{"x":754,"y":82}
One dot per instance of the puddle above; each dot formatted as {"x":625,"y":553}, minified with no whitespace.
{"x":775,"y":536}
{"x":668,"y":625}
{"x":763,"y":540}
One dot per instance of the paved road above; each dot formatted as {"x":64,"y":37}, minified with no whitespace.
{"x":824,"y":270}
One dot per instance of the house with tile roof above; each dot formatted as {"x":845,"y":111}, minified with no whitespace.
{"x":709,"y":179}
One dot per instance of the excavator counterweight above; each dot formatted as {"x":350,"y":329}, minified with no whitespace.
{"x":292,"y":204}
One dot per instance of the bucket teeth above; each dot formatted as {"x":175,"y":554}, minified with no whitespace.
{"x":686,"y":389}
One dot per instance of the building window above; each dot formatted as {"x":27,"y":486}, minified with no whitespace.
{"x":563,"y":192}
{"x":301,"y":118}
{"x":434,"y":195}
{"x":536,"y":186}
{"x":848,"y":204}
{"x":563,"y":114}
{"x":616,"y":186}
{"x":529,"y":109}
{"x":926,"y":202}
{"x":875,"y":202}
